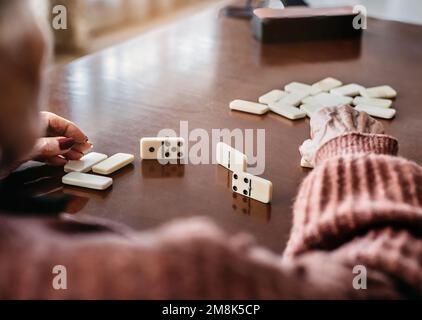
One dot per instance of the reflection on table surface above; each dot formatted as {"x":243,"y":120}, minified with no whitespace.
{"x":152,"y":169}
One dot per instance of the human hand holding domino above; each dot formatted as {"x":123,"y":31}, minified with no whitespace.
{"x":329,"y":123}
{"x":299,"y":100}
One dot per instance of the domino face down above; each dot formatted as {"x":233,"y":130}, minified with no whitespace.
{"x":293,"y":98}
{"x":248,"y":106}
{"x":310,"y":109}
{"x":230,"y":158}
{"x":86,"y":163}
{"x":383,"y":92}
{"x":114,"y":163}
{"x":79,"y":179}
{"x":287,"y":111}
{"x":162,"y":148}
{"x":350,"y":90}
{"x":376,"y":102}
{"x":298,"y":87}
{"x":379,"y":112}
{"x":252,"y":186}
{"x":325,"y":85}
{"x":272,"y":96}
{"x":328,"y":100}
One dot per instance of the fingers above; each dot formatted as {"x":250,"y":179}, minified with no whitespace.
{"x":362,"y":122}
{"x":82,"y":147}
{"x":374,"y":126}
{"x":367,"y":124}
{"x":56,"y":161}
{"x":377,"y":127}
{"x":345,"y":108}
{"x":56,"y":146}
{"x":320,"y":119}
{"x":347,"y":116}
{"x":55,"y":151}
{"x":50,"y":147}
{"x":330,"y":122}
{"x":58,"y":126}
{"x":73,"y":155}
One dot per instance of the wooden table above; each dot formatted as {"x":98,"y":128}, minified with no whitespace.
{"x":190,"y":71}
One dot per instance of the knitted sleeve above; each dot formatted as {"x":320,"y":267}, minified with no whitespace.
{"x":363,"y":203}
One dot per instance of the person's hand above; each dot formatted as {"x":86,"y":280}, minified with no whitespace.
{"x":62,"y":141}
{"x":328,"y":123}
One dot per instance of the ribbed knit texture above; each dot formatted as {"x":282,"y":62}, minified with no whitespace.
{"x":357,"y":143}
{"x":361,"y":205}
{"x":366,"y":205}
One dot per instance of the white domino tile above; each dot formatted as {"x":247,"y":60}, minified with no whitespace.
{"x":272,"y":96}
{"x":252,"y":186}
{"x":248,"y":106}
{"x":378,"y":112}
{"x":383,"y":92}
{"x":287,"y":111}
{"x":230,"y":158}
{"x":298,"y":87}
{"x":350,"y":90}
{"x":162,"y":148}
{"x":114,"y":163}
{"x":325,"y":85}
{"x":328,"y":100}
{"x":85,"y":180}
{"x":382,"y":103}
{"x":85,"y":163}
{"x":293,"y":98}
{"x":310,"y":108}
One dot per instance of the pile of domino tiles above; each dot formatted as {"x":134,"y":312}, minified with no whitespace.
{"x":299,"y":100}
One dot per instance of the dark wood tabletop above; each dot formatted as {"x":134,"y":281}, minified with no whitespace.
{"x":190,"y":71}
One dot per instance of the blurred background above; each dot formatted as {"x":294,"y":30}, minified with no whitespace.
{"x":96,"y":24}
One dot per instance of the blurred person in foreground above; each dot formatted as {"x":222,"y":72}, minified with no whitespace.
{"x":360,"y":206}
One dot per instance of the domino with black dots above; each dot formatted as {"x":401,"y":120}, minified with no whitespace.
{"x":162,"y":148}
{"x":252,"y":186}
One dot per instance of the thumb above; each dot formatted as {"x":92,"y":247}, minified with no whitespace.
{"x":50,"y":147}
{"x":307,"y":150}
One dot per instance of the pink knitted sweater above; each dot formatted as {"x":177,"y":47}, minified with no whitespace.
{"x":361,"y":206}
